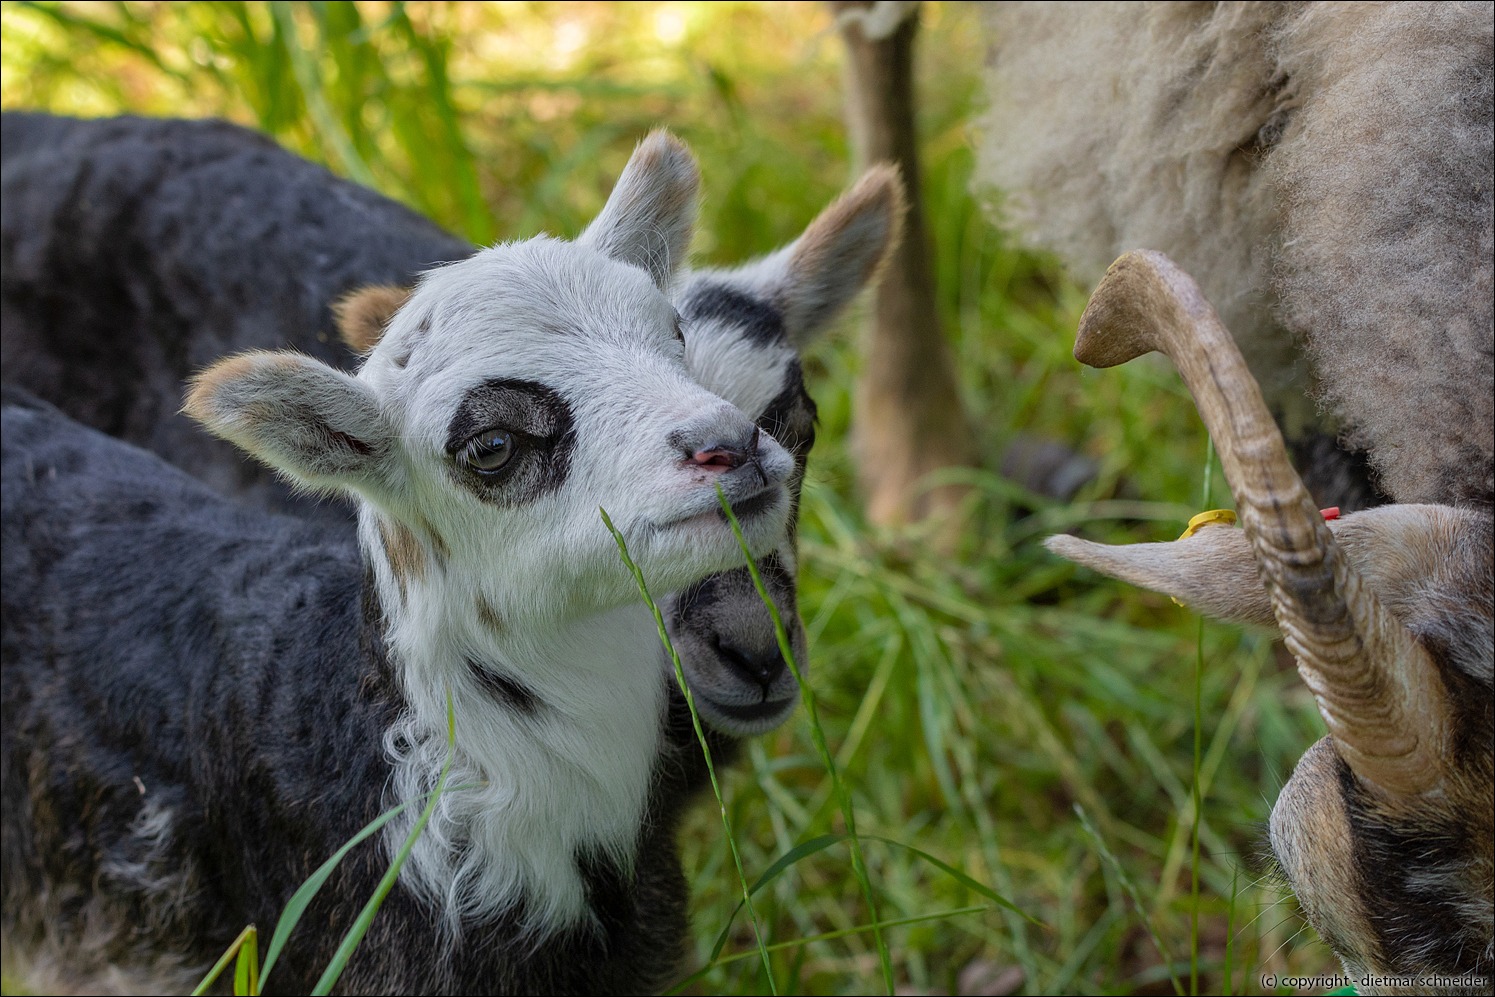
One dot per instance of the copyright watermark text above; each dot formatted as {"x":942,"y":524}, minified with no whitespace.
{"x":1371,"y":982}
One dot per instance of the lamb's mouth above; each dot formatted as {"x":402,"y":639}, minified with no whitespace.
{"x":750,"y":507}
{"x":751,"y":718}
{"x":761,"y":501}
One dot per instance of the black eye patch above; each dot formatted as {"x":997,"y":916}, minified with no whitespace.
{"x":539,"y":424}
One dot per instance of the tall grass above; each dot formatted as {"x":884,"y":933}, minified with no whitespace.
{"x":695,"y":719}
{"x":972,"y":707}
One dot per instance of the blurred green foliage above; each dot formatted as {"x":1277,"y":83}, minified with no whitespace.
{"x":1022,"y":722}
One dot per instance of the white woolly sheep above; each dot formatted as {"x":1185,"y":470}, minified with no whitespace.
{"x":1326,"y":171}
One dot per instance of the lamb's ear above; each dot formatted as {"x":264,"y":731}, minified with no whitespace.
{"x":318,"y":426}
{"x":363,"y":314}
{"x":648,"y":218}
{"x":1213,"y":572}
{"x":842,"y":251}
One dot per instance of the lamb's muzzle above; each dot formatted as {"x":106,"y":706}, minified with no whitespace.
{"x":1378,"y":690}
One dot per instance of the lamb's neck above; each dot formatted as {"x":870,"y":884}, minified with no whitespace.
{"x":562,"y":723}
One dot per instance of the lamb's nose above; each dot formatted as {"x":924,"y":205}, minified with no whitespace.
{"x":761,"y":666}
{"x":726,"y":455}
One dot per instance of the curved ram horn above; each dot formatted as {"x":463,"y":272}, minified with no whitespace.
{"x":1378,"y":690}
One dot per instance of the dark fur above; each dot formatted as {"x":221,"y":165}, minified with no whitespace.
{"x":790,"y":416}
{"x":509,"y":691}
{"x":237,"y":676}
{"x":134,"y":252}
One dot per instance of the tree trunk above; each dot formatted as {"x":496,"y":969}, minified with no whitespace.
{"x":909,"y":419}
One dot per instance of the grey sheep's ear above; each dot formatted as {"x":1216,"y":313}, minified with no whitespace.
{"x":648,"y":218}
{"x":1213,"y":572}
{"x":317,"y":426}
{"x":843,"y":250}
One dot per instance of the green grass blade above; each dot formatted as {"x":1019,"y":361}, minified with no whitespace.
{"x":246,"y":966}
{"x":229,"y":955}
{"x":1197,"y":787}
{"x":807,"y":696}
{"x":1235,"y":893}
{"x":366,"y":916}
{"x":309,"y":79}
{"x":68,"y":18}
{"x":802,"y":850}
{"x":461,"y":174}
{"x":960,"y":877}
{"x":302,"y":898}
{"x":695,"y":719}
{"x":817,"y":844}
{"x":1131,"y":891}
{"x":799,"y":943}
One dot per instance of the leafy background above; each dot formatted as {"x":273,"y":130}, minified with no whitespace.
{"x":1038,"y":728}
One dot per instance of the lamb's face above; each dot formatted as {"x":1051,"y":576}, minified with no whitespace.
{"x":744,"y":330}
{"x":535,"y":383}
{"x":737,"y":344}
{"x":521,"y":391}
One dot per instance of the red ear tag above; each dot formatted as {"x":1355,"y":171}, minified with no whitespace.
{"x":1330,"y":513}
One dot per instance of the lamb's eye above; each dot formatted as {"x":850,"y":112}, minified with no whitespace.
{"x":679,"y":334}
{"x":488,"y":452}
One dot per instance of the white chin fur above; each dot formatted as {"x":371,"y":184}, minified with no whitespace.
{"x":571,"y":779}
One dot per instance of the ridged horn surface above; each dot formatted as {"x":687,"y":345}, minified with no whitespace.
{"x":1377,"y":689}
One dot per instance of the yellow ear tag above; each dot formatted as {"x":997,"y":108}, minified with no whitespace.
{"x":1221,"y":517}
{"x":1224,"y":517}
